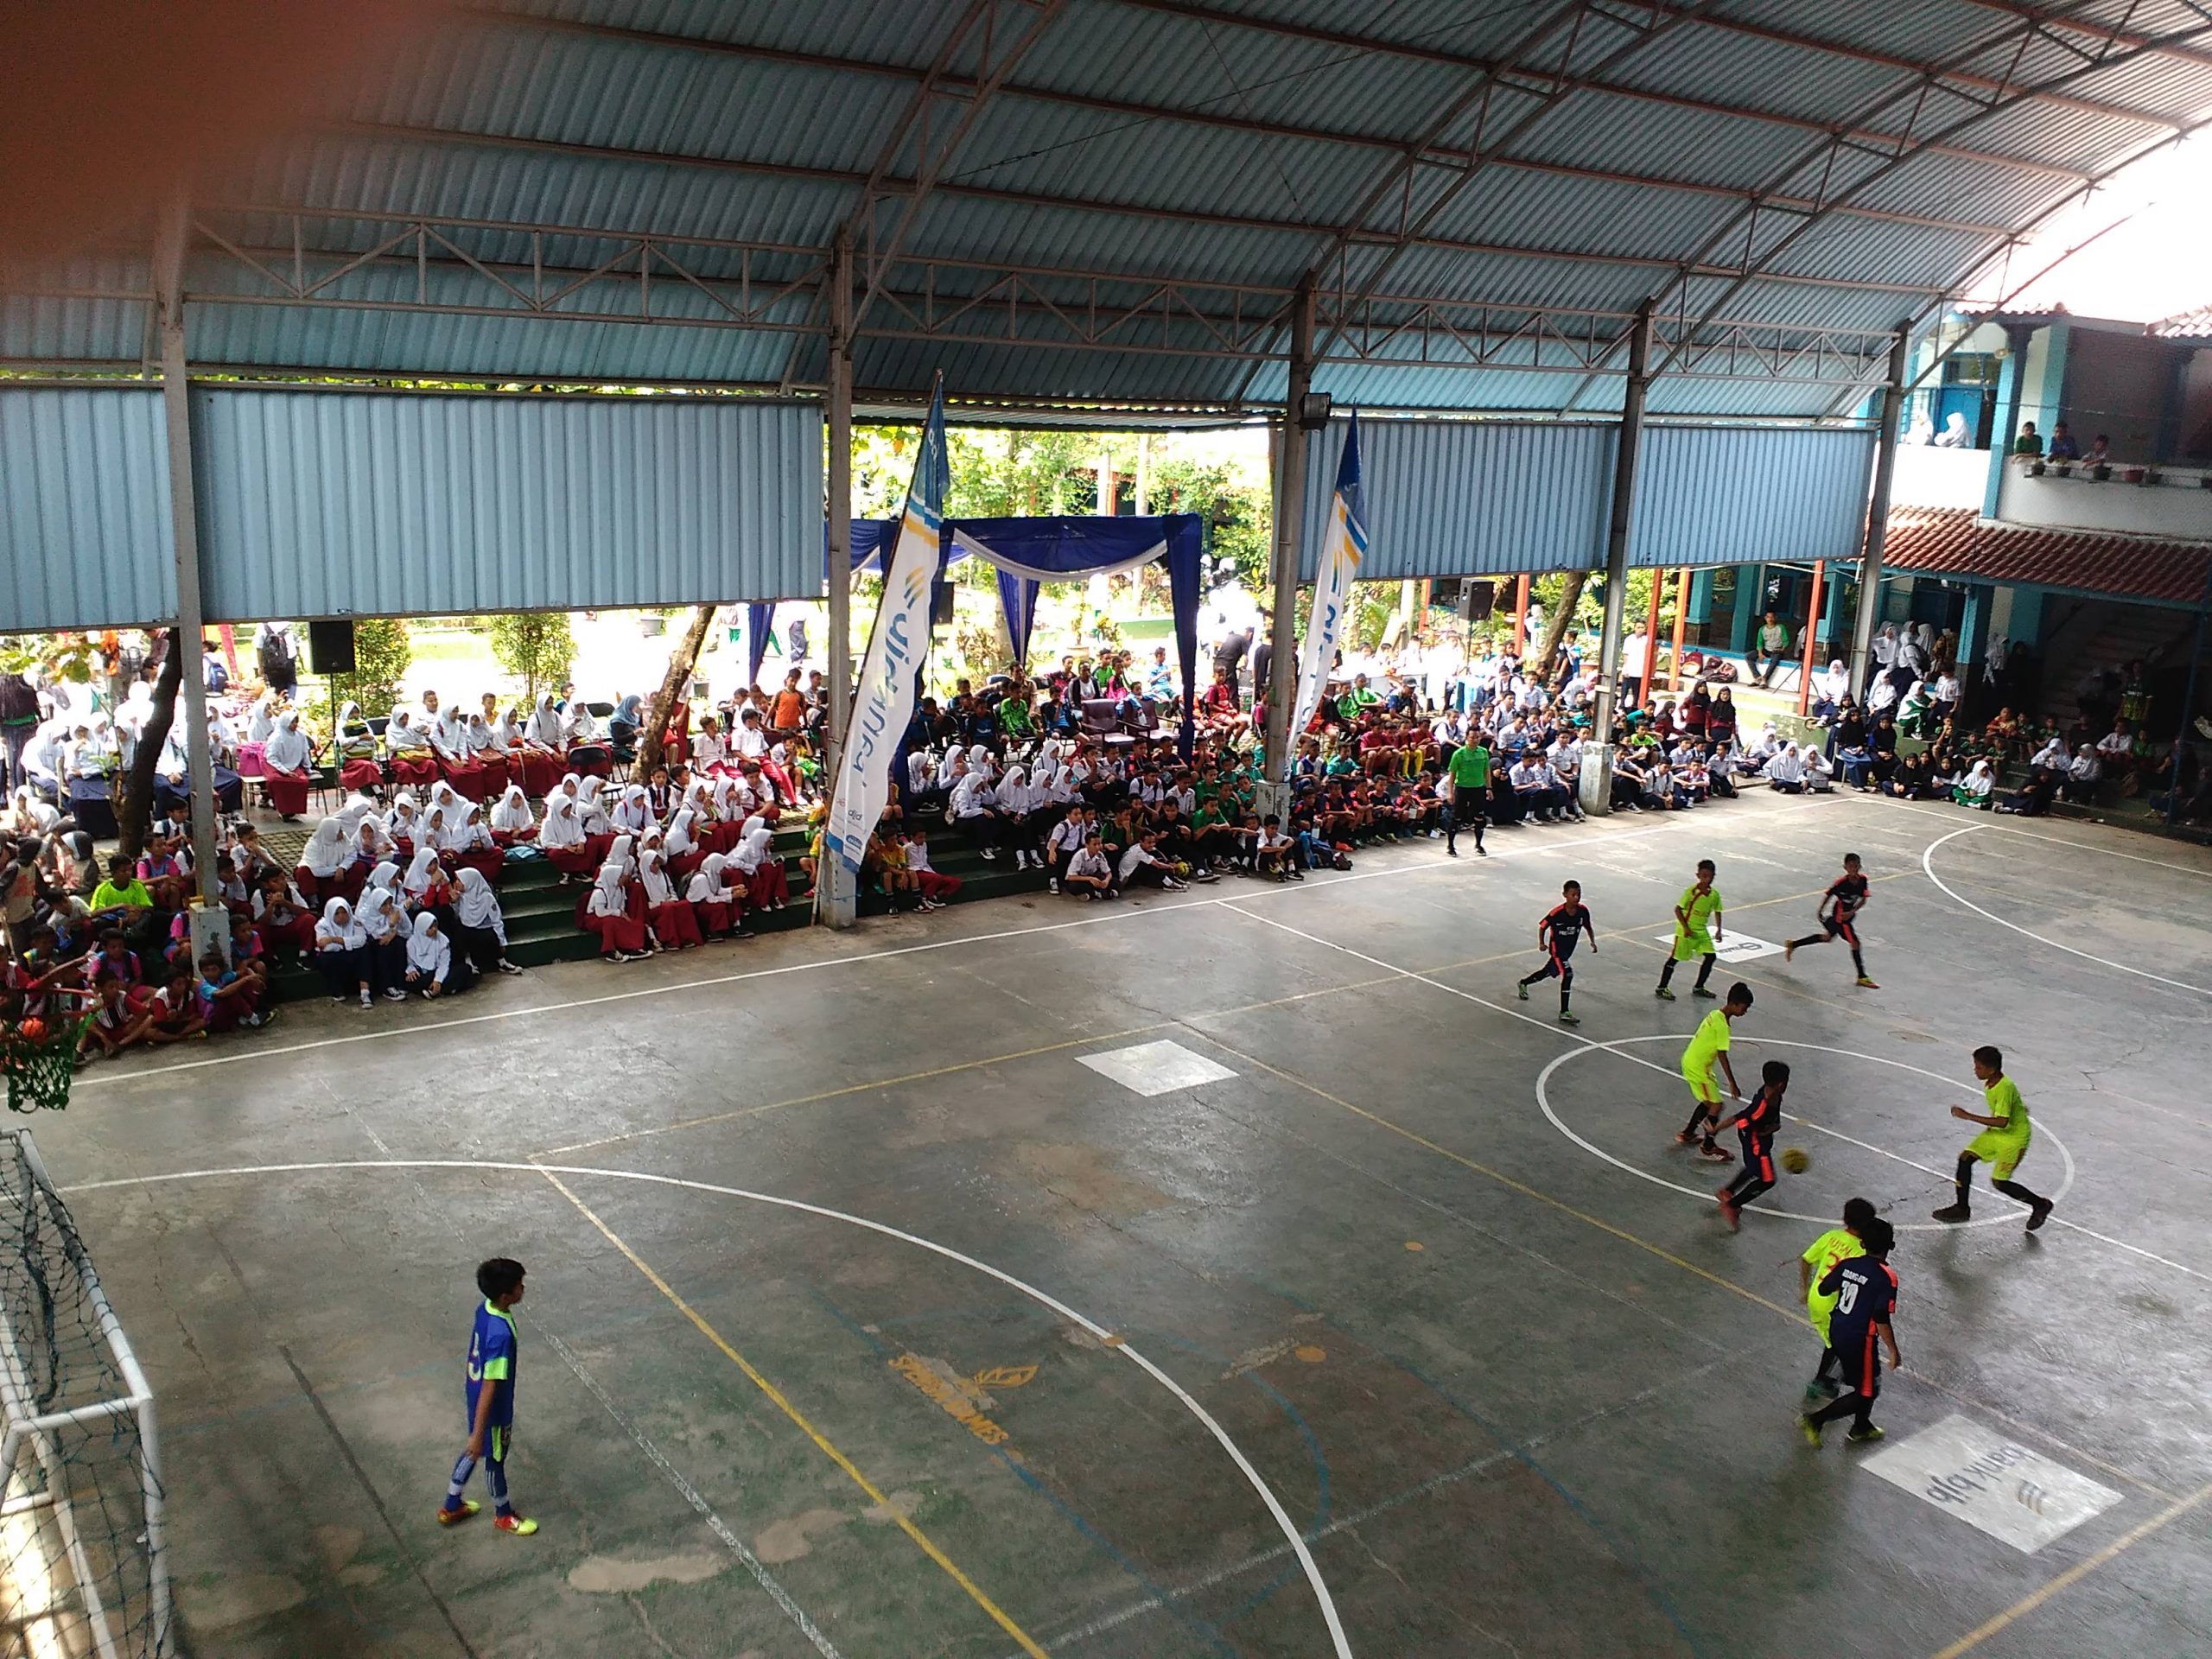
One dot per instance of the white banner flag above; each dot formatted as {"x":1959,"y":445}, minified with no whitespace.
{"x":1324,"y":623}
{"x":884,"y":700}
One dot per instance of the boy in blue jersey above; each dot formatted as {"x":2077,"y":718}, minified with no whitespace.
{"x":1564,"y":925}
{"x":1755,"y":1128}
{"x":1866,"y":1291}
{"x":491,"y":1394}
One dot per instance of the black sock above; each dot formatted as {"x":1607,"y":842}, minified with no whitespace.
{"x":2014,"y":1190}
{"x":1698,"y":1115}
{"x":1830,"y":1365}
{"x":1963,"y":1181}
{"x":1858,"y":962}
{"x":1531,"y":979}
{"x":1666,"y":973}
{"x":1809,"y":939}
{"x":1564,"y":993}
{"x":1704,"y":970}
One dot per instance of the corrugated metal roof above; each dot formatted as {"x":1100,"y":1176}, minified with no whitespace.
{"x":1155,"y":137}
{"x":1955,"y":542}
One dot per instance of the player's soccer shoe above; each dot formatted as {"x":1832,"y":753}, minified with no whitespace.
{"x":1718,"y":1153}
{"x":1811,"y":1430}
{"x":1789,"y":950}
{"x":1523,"y":992}
{"x":1568,"y":1017}
{"x":455,"y":1517}
{"x":1952,"y":1212}
{"x":1663,"y":993}
{"x":1704,"y":994}
{"x":1685,"y":1139}
{"x":2038,"y":1213}
{"x":1866,"y":984}
{"x":1864,"y":1436}
{"x":521,"y":1526}
{"x":1730,"y":1212}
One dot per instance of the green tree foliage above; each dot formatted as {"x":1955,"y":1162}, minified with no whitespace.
{"x":535,"y":647}
{"x":381,"y":654}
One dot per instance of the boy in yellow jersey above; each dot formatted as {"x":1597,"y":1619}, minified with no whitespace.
{"x":1697,"y":933}
{"x":1837,"y":1245}
{"x":1709,"y":1046}
{"x":2003,"y":1140}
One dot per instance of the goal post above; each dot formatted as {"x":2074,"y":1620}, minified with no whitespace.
{"x":83,"y":1567}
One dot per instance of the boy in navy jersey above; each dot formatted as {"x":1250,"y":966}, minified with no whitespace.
{"x":1566,"y":925}
{"x":1866,"y":1291}
{"x":1840,"y":908}
{"x":490,"y":1394}
{"x":1755,"y":1127}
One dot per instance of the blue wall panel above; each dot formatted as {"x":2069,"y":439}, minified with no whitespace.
{"x":84,"y":509}
{"x":1469,"y":497}
{"x":1732,"y":495}
{"x":326,"y":504}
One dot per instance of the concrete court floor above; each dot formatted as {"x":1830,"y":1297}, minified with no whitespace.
{"x":1520,"y":1400}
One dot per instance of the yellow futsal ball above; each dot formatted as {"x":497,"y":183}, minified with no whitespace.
{"x":1796,"y":1160}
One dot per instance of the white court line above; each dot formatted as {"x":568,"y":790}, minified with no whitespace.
{"x":1589,"y":1042}
{"x":2061,"y":840}
{"x":1928,"y":866}
{"x":1108,"y":1340}
{"x":1705,"y":1195}
{"x":384,"y":1034}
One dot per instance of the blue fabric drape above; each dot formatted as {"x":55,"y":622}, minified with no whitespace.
{"x":1017,"y":599}
{"x":758,"y":620}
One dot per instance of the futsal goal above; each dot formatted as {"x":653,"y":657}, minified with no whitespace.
{"x":82,"y":1570}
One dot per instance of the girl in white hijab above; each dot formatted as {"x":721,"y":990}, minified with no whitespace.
{"x":766,"y":884}
{"x":1022,"y":803}
{"x":341,"y":952}
{"x":432,"y":967}
{"x":403,"y":825}
{"x":351,"y":736}
{"x":262,"y":721}
{"x":612,"y":911}
{"x":511,"y":818}
{"x":284,"y":761}
{"x":545,"y":729}
{"x":632,"y":812}
{"x":673,"y":925}
{"x":1820,"y":775}
{"x":324,"y":860}
{"x":425,"y":883}
{"x":561,"y":838}
{"x":1977,"y":787}
{"x":590,"y":798}
{"x":973,"y":809}
{"x":410,"y":749}
{"x":385,"y":920}
{"x":681,"y":841}
{"x":479,"y":928}
{"x":714,"y":901}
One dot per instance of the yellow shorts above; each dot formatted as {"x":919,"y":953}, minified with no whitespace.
{"x":1702,"y":1085}
{"x":2000,"y":1151}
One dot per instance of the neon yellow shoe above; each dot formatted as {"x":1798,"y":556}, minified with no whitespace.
{"x":455,"y":1517}
{"x":521,"y":1526}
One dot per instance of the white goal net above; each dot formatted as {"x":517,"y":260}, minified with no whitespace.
{"x":81,"y":1566}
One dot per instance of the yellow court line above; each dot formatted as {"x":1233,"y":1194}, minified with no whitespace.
{"x":2026,"y":1430}
{"x":2073,"y":1575}
{"x":776,"y":1395}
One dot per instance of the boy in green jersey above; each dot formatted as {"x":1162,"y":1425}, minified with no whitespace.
{"x":2003,"y":1140}
{"x":1697,"y":933}
{"x":1821,"y":1257}
{"x":1709,"y":1046}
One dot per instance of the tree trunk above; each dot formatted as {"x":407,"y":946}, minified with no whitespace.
{"x":681,"y":662}
{"x":1558,"y":622}
{"x":135,"y":811}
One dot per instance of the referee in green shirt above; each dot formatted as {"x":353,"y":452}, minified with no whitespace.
{"x":1470,"y":771}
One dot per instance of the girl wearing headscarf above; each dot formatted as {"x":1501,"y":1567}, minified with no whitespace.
{"x":766,"y":884}
{"x":562,"y":837}
{"x":614,"y":909}
{"x":285,"y":762}
{"x":1828,"y":689}
{"x":1022,"y":807}
{"x":592,"y":801}
{"x":432,"y":968}
{"x":540,"y":744}
{"x":327,"y":866}
{"x":425,"y":884}
{"x":675,"y":927}
{"x":354,"y":746}
{"x":1978,"y":787}
{"x":341,"y":952}
{"x":403,"y":825}
{"x":718,"y":905}
{"x":1819,"y":773}
{"x":973,"y":810}
{"x":633,"y":812}
{"x":469,"y":844}
{"x":478,"y":929}
{"x":511,"y":819}
{"x":385,"y":920}
{"x":410,"y":749}
{"x":262,"y":721}
{"x":625,"y":724}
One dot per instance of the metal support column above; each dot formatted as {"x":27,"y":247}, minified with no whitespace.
{"x":1812,"y":640}
{"x":1521,"y":617}
{"x":1290,"y":538}
{"x":210,"y":924}
{"x":1597,"y":777}
{"x":1650,"y":680}
{"x":1683,"y":580}
{"x":1878,"y":516}
{"x":837,"y":900}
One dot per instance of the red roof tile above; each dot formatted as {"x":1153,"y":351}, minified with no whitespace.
{"x":1956,"y":542}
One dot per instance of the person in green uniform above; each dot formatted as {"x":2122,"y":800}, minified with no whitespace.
{"x":1469,"y":808}
{"x":1708,"y":1048}
{"x":1697,"y":933}
{"x":1821,"y":1256}
{"x":2003,"y":1143}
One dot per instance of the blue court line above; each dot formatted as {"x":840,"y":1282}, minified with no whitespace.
{"x":1196,"y":1626}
